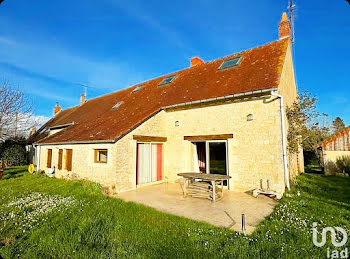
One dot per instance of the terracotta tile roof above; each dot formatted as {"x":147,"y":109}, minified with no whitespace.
{"x":334,"y":137}
{"x":260,"y":68}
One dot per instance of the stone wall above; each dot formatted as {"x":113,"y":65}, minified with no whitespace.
{"x":83,"y":165}
{"x":331,"y":156}
{"x":288,"y":89}
{"x":254,"y":153}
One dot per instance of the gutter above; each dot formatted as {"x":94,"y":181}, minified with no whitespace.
{"x":239,"y":95}
{"x":37,"y":157}
{"x":78,"y":142}
{"x":245,"y":94}
{"x":61,"y":126}
{"x":284,"y":139}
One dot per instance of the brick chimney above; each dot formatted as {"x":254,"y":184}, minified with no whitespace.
{"x":56,"y":109}
{"x":284,"y":27}
{"x":82,"y":99}
{"x":195,"y":61}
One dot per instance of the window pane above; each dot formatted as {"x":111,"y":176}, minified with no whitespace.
{"x":102,"y":156}
{"x":230,"y":63}
{"x":167,"y":80}
{"x":217,"y":158}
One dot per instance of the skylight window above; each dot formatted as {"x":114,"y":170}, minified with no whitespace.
{"x":230,"y":63}
{"x":137,"y":89}
{"x":167,"y":80}
{"x":117,"y":105}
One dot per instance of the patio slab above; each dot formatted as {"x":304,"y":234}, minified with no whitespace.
{"x":167,"y":197}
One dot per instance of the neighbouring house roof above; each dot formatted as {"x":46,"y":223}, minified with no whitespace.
{"x":259,"y":69}
{"x":334,"y":137}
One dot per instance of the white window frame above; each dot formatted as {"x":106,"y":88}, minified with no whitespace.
{"x":163,"y":173}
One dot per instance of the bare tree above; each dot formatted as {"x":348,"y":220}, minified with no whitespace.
{"x":15,"y":112}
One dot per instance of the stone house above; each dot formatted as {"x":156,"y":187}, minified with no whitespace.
{"x":226,"y":116}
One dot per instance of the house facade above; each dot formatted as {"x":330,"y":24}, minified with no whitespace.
{"x":225,"y":116}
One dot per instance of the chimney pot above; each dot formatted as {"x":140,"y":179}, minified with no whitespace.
{"x":195,"y":61}
{"x":82,"y":99}
{"x":56,"y":109}
{"x":284,"y":27}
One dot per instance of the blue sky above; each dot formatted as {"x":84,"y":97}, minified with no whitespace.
{"x":48,"y":48}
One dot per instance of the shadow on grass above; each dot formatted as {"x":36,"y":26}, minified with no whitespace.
{"x":334,"y":190}
{"x":314,"y":169}
{"x":14,"y":172}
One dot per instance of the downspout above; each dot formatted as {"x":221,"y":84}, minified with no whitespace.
{"x":37,"y":157}
{"x":284,"y":138}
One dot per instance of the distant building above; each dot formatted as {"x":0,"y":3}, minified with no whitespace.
{"x":336,"y":146}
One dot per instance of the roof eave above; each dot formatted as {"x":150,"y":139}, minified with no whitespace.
{"x":232,"y":96}
{"x":77,"y":142}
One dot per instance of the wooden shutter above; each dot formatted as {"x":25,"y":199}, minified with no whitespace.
{"x":60,"y":157}
{"x":49,"y":158}
{"x":69,"y":154}
{"x":159,"y":162}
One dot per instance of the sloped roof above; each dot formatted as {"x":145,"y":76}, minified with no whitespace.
{"x":259,"y":69}
{"x":334,"y":137}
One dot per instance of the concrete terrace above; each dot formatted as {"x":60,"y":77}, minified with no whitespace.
{"x":167,"y":197}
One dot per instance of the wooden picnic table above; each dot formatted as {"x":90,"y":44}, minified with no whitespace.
{"x":202,"y":185}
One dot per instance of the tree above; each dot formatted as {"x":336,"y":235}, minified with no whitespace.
{"x":15,"y":112}
{"x":13,"y":152}
{"x":338,"y":125}
{"x":304,"y":127}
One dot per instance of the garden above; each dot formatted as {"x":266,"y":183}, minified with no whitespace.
{"x":55,"y":218}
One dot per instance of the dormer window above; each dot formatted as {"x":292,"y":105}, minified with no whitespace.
{"x":230,"y":63}
{"x":167,"y":80}
{"x":117,"y":105}
{"x":138,"y":88}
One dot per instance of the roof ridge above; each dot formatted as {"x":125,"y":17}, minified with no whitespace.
{"x":181,"y":70}
{"x":258,"y":70}
{"x":246,"y":50}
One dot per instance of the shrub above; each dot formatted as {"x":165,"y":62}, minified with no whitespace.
{"x":343,"y":164}
{"x":331,"y":167}
{"x":13,"y":152}
{"x":14,"y":155}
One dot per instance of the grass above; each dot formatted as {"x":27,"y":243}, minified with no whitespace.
{"x":312,"y":164}
{"x":53,"y":218}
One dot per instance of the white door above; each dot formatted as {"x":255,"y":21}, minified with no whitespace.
{"x":149,"y":163}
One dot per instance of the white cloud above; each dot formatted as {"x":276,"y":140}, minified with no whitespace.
{"x":56,"y":62}
{"x":22,"y":124}
{"x":39,"y":120}
{"x":7,"y":41}
{"x":140,"y":13}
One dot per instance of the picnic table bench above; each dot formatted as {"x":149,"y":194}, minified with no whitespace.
{"x":201,"y":185}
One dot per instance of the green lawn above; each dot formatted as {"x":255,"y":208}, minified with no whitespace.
{"x":53,"y":218}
